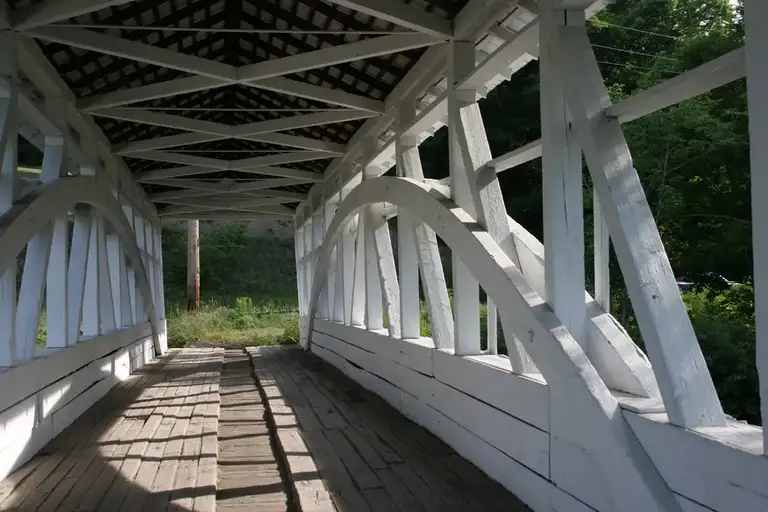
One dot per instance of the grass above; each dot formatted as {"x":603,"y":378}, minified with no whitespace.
{"x":243,"y":323}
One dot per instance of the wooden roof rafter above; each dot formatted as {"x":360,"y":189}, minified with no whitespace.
{"x":215,"y":73}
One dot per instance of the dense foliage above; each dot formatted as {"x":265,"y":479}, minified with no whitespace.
{"x":692,"y":159}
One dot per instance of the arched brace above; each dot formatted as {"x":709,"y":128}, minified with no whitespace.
{"x":598,"y":424}
{"x":40,"y":206}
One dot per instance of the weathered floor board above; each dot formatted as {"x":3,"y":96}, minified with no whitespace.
{"x":149,"y":444}
{"x":249,"y":477}
{"x":193,"y":431}
{"x":344,"y":442}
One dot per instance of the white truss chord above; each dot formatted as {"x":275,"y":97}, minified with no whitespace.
{"x":331,"y":56}
{"x":400,"y":13}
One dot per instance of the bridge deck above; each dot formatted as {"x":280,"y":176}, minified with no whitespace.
{"x":191,"y":432}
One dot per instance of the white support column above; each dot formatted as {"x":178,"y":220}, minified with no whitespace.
{"x":298,"y":243}
{"x":348,"y":256}
{"x":76,"y":272}
{"x":330,"y":275}
{"x":561,"y":187}
{"x":359,"y":305}
{"x":159,"y":271}
{"x":407,"y":247}
{"x":318,"y":231}
{"x":602,"y":257}
{"x":151,"y":263}
{"x":138,"y":228}
{"x":309,"y":260}
{"x":57,"y":314}
{"x":385,"y":259}
{"x":31,"y":294}
{"x":684,"y":381}
{"x":91,"y":311}
{"x":430,"y":264}
{"x":8,"y":149}
{"x":755,"y":18}
{"x":107,"y":313}
{"x":374,"y":319}
{"x":466,"y":292}
{"x":114,"y":256}
{"x":339,"y":289}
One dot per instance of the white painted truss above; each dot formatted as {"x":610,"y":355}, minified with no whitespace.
{"x":612,"y":408}
{"x":572,"y":415}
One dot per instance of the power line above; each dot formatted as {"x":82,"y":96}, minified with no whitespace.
{"x":632,"y":66}
{"x":648,"y":32}
{"x":634,"y":52}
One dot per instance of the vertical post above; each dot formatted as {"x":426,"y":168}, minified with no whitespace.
{"x":339,"y":290}
{"x":91,"y":310}
{"x":374,"y":318}
{"x":602,"y":258}
{"x":358,"y":297}
{"x":318,"y":230}
{"x":193,"y":265}
{"x":114,"y":254}
{"x":430,"y":264}
{"x":561,"y":187}
{"x":159,"y":271}
{"x":466,"y":291}
{"x":31,"y":294}
{"x":330,"y":275}
{"x":108,"y":323}
{"x":8,"y":150}
{"x":407,"y":248}
{"x":57,"y":304}
{"x":348,"y":258}
{"x":298,"y":244}
{"x":76,"y":272}
{"x":755,"y":18}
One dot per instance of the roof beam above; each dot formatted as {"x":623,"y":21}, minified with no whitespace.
{"x":258,"y":188}
{"x":215,"y":200}
{"x":267,"y":211}
{"x":173,"y":196}
{"x":333,"y":55}
{"x":318,"y":93}
{"x":181,"y":159}
{"x":282,"y":158}
{"x":297,"y":142}
{"x":218,"y":131}
{"x":150,"y":92}
{"x":175,"y":172}
{"x":397,"y":12}
{"x":231,"y":165}
{"x":228,"y":186}
{"x":302,"y":121}
{"x":51,"y":11}
{"x":218,"y":215}
{"x":140,"y":52}
{"x":165,"y":142}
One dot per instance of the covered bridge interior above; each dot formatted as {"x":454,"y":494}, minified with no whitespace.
{"x":148,"y":111}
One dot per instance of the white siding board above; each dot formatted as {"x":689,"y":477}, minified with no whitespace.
{"x":490,"y":379}
{"x":704,"y":469}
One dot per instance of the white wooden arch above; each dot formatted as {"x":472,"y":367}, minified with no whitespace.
{"x":48,"y":201}
{"x":569,"y":373}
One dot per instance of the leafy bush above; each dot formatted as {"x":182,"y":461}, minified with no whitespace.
{"x":725,"y":326}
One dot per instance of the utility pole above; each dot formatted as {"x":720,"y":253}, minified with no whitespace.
{"x":193,"y":265}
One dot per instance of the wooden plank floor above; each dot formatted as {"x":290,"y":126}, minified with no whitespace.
{"x":149,"y":444}
{"x":249,"y":477}
{"x":365,"y":454}
{"x":191,"y":431}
